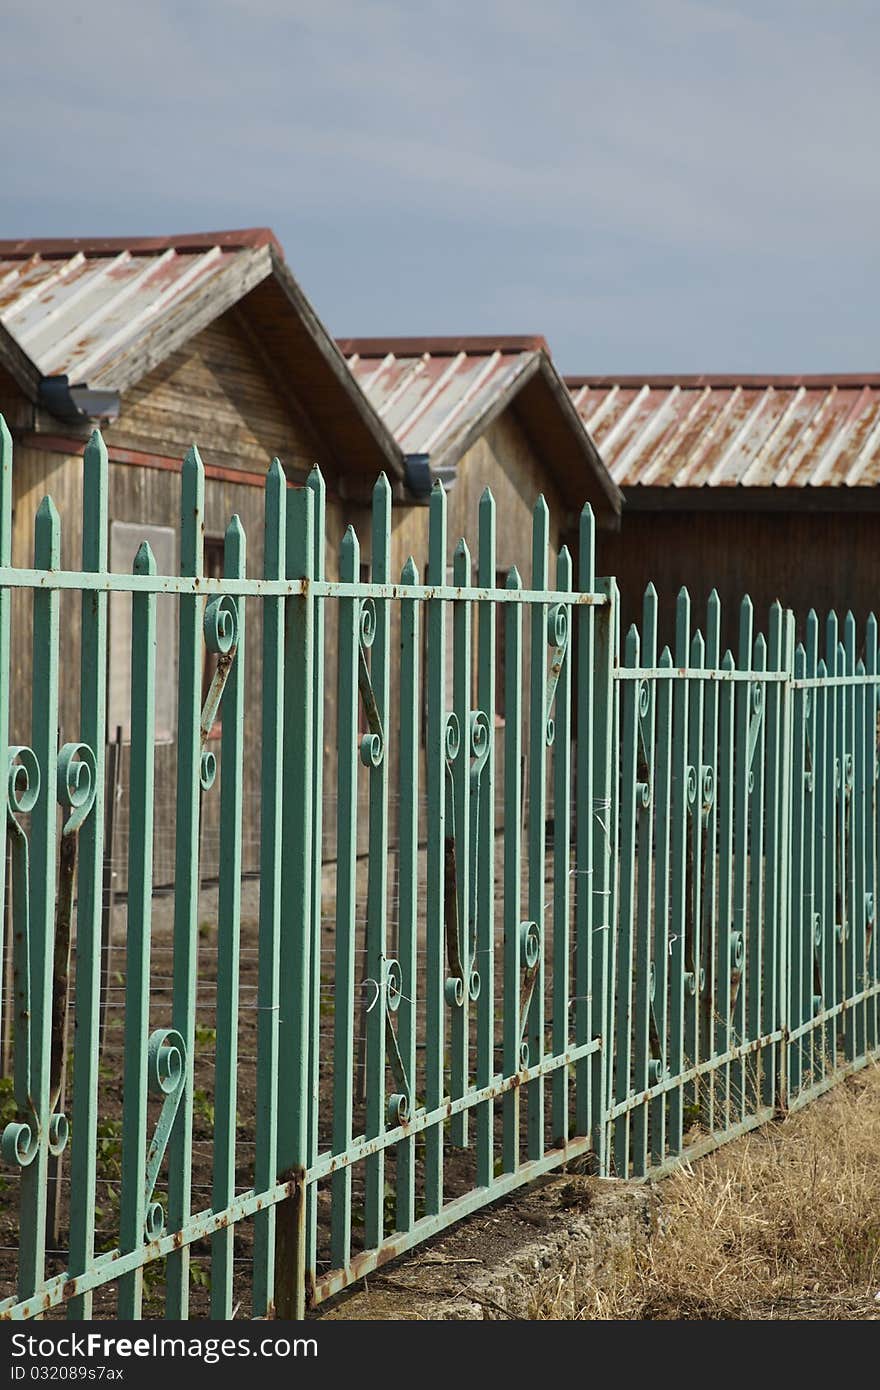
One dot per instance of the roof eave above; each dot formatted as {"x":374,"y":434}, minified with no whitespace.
{"x":23,"y":371}
{"x":540,"y":365}
{"x":389,"y":455}
{"x":199,"y":309}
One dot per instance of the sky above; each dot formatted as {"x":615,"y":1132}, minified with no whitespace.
{"x":654,"y":185}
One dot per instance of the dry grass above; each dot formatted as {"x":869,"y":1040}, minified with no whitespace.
{"x":782,"y":1224}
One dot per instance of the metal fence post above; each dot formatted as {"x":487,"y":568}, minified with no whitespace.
{"x":296,"y":1019}
{"x":603,"y":810}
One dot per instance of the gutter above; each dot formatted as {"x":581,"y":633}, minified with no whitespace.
{"x":76,"y":404}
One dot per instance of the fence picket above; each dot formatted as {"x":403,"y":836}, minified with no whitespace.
{"x":708,"y":938}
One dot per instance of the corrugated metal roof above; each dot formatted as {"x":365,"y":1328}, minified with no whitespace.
{"x":76,"y":307}
{"x":702,"y":431}
{"x":430,"y":392}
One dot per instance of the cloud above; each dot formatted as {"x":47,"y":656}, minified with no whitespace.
{"x":656,"y":169}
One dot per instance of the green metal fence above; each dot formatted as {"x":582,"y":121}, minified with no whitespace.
{"x":664,"y":938}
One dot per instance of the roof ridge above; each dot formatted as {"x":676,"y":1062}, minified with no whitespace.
{"x":723,"y":379}
{"x":238,"y":239}
{"x":443,"y":346}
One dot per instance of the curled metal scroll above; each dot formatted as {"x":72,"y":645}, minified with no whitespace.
{"x":166,"y":1076}
{"x":221,"y":631}
{"x":372,"y":746}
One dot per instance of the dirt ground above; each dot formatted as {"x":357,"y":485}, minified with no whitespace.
{"x":782,"y":1224}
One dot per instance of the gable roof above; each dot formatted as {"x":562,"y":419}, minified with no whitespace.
{"x":734,"y":432}
{"x":102,"y":313}
{"x":439,"y":395}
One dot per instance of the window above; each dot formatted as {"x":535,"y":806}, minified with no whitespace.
{"x":125,"y":540}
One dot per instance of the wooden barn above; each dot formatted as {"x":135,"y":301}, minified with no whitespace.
{"x":163,"y":342}
{"x":767,"y":485}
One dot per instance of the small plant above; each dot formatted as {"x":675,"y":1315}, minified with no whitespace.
{"x":108,"y":1137}
{"x":205,"y":1037}
{"x":203,"y":1107}
{"x":8,"y":1106}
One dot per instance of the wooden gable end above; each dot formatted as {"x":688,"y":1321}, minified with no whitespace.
{"x":219,"y":392}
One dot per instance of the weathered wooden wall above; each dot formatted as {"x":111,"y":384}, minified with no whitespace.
{"x":818,"y":560}
{"x":216,"y":392}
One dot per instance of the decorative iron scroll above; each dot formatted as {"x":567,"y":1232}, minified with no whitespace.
{"x":372,"y":744}
{"x":166,"y":1076}
{"x":221,"y":639}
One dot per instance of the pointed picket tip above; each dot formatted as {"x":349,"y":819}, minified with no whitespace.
{"x":350,"y":544}
{"x":144,"y":560}
{"x":860,"y":667}
{"x":275,"y":473}
{"x":513,"y":580}
{"x":380,"y":531}
{"x":746,"y":606}
{"x":235,"y":544}
{"x":698,"y":648}
{"x":5,"y":436}
{"x":665,"y":657}
{"x":713,"y":609}
{"x":541,"y":508}
{"x":564,"y":569}
{"x":438,"y":490}
{"x":410,"y":572}
{"x":95,"y":446}
{"x":631,"y":646}
{"x":800,"y":648}
{"x":315,"y":480}
{"x":487,"y":498}
{"x":48,"y":509}
{"x":727,"y":661}
{"x":650,"y":591}
{"x":462,"y":550}
{"x":800,"y":661}
{"x":822,"y":669}
{"x":47,"y":535}
{"x":192,"y":460}
{"x":760,"y":647}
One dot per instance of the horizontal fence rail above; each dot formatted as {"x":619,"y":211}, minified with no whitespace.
{"x":577,"y":895}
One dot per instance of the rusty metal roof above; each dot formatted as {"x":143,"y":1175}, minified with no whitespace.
{"x":734,"y":431}
{"x":438,"y":395}
{"x":76,"y":307}
{"x":429,"y":391}
{"x":89,"y":318}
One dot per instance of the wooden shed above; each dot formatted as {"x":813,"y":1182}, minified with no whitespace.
{"x":163,"y":342}
{"x":481,"y":412}
{"x":767,"y":485}
{"x":484,"y":412}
